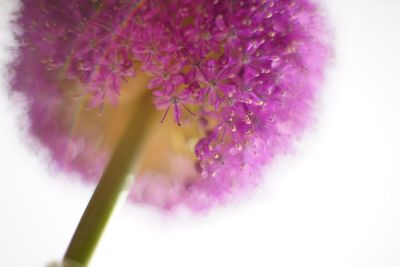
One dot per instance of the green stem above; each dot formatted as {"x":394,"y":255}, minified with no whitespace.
{"x":115,"y":181}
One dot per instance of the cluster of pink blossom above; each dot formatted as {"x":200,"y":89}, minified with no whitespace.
{"x":247,"y":71}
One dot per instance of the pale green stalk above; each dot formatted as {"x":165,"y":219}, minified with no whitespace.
{"x":116,"y":180}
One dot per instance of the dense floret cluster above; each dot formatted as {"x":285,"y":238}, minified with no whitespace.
{"x":246,"y":71}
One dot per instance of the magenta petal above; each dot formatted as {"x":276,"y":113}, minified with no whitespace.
{"x":177,"y":79}
{"x":155,"y":82}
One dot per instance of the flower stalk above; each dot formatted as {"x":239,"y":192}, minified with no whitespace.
{"x":113,"y":186}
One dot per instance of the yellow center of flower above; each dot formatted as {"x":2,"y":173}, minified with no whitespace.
{"x":169,"y":150}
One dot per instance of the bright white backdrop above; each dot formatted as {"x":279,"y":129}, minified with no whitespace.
{"x":335,"y":203}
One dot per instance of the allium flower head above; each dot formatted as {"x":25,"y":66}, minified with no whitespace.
{"x":234,"y":82}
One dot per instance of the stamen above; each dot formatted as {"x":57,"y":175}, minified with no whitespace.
{"x":165,"y":115}
{"x":188,"y":110}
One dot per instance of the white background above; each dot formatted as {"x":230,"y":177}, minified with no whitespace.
{"x":335,"y":203}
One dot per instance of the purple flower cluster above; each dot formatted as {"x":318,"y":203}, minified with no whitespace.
{"x":246,"y":71}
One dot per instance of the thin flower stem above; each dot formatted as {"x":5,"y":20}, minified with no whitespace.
{"x":114,"y":184}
